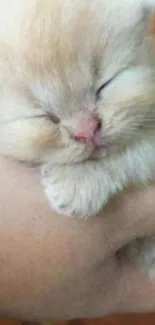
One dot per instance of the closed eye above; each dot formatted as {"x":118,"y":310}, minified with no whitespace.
{"x":103,"y":86}
{"x":53,"y":118}
{"x":48,"y":115}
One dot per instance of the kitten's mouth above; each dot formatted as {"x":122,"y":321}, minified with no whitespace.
{"x":104,"y":146}
{"x":104,"y":151}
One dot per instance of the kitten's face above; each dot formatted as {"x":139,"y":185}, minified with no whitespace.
{"x":85,"y":61}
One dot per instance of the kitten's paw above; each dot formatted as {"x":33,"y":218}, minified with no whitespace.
{"x":74,"y":191}
{"x":142,"y":253}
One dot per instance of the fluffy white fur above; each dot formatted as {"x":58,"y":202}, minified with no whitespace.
{"x":54,"y":56}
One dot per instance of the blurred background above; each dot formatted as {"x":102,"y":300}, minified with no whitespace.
{"x":143,"y":319}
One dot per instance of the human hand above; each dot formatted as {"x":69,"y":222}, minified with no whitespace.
{"x":54,"y":267}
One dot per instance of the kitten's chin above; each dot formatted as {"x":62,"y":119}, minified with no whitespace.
{"x":102,"y":152}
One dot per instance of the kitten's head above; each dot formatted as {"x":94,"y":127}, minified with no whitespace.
{"x":86,"y":79}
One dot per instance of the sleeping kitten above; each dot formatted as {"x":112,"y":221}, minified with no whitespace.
{"x":78,"y":96}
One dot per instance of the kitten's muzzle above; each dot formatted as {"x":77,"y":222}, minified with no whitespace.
{"x":86,"y":132}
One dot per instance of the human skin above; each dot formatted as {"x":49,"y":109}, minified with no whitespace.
{"x":52,"y":267}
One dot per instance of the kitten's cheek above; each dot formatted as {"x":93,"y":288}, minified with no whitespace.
{"x":31,"y":140}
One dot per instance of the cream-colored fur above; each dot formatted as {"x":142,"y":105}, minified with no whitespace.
{"x":54,"y":56}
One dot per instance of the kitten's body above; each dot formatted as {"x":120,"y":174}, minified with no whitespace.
{"x":54,"y":57}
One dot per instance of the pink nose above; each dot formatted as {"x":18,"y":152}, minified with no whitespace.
{"x":86,"y":130}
